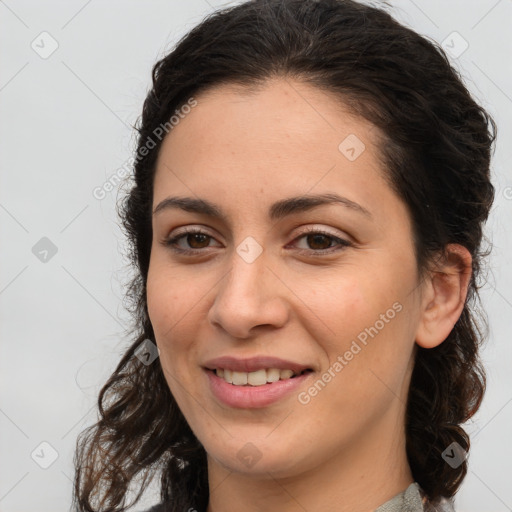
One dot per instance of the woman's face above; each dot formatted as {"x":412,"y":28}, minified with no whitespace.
{"x":327,"y":286}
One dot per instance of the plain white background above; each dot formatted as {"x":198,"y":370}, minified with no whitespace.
{"x":66,"y":128}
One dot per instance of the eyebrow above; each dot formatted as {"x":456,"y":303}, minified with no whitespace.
{"x":278,"y":210}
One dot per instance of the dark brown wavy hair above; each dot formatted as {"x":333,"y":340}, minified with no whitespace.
{"x":436,"y":150}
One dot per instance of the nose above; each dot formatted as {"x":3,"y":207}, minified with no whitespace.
{"x":249,"y":296}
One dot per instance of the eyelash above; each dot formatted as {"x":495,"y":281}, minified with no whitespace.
{"x":342,"y":244}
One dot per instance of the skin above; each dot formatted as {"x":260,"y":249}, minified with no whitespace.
{"x":345,"y":449}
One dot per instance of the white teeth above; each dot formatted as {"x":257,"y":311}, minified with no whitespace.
{"x":286,"y":374}
{"x":257,"y":378}
{"x":239,"y":378}
{"x":273,"y":375}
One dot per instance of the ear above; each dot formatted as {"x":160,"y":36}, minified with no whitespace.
{"x":444,"y":296}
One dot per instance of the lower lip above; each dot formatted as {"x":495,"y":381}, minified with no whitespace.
{"x":249,"y":397}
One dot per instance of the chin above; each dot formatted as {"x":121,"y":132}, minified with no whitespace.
{"x":256,"y":458}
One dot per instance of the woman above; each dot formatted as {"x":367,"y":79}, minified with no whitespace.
{"x":311,"y":183}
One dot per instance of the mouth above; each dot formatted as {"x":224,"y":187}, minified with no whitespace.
{"x":256,"y":378}
{"x":256,"y":389}
{"x":257,"y":381}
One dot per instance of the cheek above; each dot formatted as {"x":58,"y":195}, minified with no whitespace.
{"x":368,"y":328}
{"x":343,"y":306}
{"x":168,"y":304}
{"x":176,"y":311}
{"x":165,"y":309}
{"x":170,"y":298}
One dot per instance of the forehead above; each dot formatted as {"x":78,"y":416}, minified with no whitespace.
{"x":275,"y":111}
{"x":282,"y":138}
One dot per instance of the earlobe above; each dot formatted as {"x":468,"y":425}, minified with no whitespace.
{"x":446,"y":296}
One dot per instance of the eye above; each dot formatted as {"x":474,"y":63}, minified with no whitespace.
{"x":319,"y":242}
{"x":195,"y":238}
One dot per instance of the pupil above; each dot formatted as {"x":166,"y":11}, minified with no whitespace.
{"x":314,"y":239}
{"x":195,"y":237}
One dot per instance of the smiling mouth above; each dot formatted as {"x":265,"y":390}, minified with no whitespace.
{"x":258,"y":377}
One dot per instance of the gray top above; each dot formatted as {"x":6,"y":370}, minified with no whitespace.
{"x":413,"y":499}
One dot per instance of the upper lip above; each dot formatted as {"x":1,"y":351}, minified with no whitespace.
{"x":252,"y":364}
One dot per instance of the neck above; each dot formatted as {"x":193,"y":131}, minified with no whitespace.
{"x":358,"y":478}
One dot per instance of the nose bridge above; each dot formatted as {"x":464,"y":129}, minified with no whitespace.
{"x":250,"y":295}
{"x":248,"y":270}
{"x":247,"y":276}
